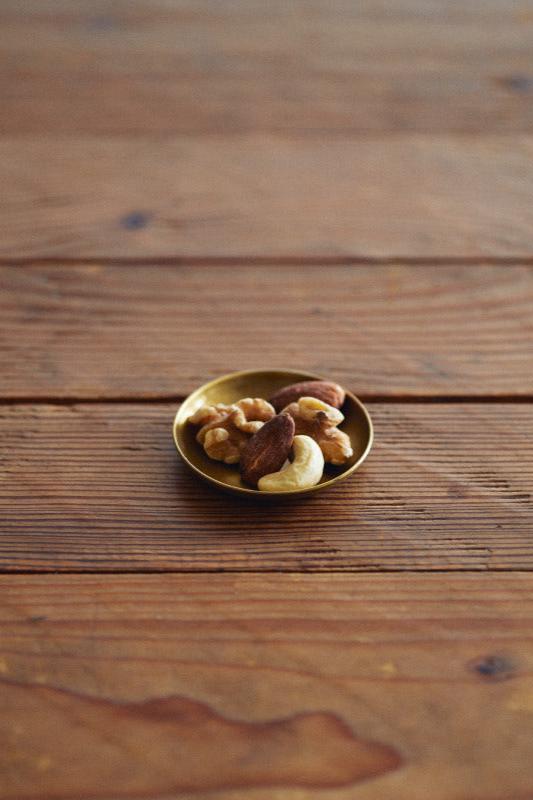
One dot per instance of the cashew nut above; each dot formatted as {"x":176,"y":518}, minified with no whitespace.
{"x":305,"y":470}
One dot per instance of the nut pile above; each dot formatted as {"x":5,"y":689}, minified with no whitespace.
{"x":300,"y":421}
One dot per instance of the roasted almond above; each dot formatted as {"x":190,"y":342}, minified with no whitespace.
{"x":328,"y":392}
{"x":268,"y":449}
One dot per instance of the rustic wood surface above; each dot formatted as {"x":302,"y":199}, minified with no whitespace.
{"x":390,"y":331}
{"x":99,"y":487}
{"x":191,"y":187}
{"x":288,"y":687}
{"x":202,"y":67}
{"x":266,"y":196}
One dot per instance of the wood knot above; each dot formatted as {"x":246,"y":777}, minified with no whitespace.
{"x":522,"y":84}
{"x":457,"y":490}
{"x":494,"y":667}
{"x":135,"y":220}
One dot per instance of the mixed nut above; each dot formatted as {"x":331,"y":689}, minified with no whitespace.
{"x":299,"y":421}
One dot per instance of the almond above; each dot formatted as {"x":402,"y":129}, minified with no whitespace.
{"x":328,"y":392}
{"x":268,"y":449}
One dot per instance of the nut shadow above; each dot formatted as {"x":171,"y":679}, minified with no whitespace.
{"x":265,"y":533}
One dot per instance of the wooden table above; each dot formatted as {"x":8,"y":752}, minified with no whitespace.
{"x":191,"y":187}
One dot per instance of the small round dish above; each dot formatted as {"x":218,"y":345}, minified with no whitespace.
{"x":263,"y":383}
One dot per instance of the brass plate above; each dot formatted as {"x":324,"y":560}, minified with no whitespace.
{"x":263,"y":383}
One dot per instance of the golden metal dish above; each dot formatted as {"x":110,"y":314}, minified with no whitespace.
{"x":263,"y":383}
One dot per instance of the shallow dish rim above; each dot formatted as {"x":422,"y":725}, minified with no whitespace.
{"x":180,"y":419}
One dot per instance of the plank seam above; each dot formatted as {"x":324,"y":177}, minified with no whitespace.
{"x":406,"y":399}
{"x":272,"y":261}
{"x":270,"y":571}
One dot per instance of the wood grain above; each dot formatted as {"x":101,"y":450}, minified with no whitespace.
{"x":202,"y":67}
{"x":100,"y":487}
{"x":266,"y":196}
{"x":144,"y":332}
{"x":247,"y":133}
{"x":157,"y":684}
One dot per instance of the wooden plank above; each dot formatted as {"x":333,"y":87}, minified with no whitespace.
{"x":257,"y":196}
{"x":292,"y":687}
{"x":99,"y":331}
{"x":204,"y":67}
{"x":99,"y":487}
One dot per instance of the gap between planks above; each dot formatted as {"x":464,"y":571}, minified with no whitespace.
{"x":270,"y":261}
{"x":287,"y":573}
{"x":408,"y":399}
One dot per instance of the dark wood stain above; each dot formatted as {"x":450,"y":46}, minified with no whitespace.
{"x":92,"y":747}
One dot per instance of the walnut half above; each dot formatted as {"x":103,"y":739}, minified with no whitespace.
{"x":226,"y":428}
{"x":318,"y":420}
